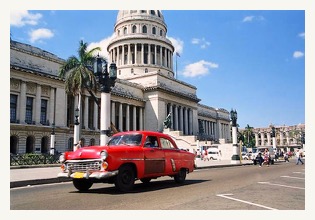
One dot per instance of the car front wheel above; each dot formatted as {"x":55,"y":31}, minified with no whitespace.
{"x":125,"y":179}
{"x":82,"y":184}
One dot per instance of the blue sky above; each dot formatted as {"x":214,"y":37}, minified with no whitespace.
{"x":249,"y":60}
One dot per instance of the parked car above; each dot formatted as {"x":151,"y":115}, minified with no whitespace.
{"x":128,"y":156}
{"x":245,"y":156}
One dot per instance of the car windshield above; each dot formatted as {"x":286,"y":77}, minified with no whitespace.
{"x":126,"y":139}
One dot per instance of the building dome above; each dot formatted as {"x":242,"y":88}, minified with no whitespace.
{"x":140,"y":45}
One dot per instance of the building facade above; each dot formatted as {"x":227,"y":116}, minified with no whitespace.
{"x":145,"y":92}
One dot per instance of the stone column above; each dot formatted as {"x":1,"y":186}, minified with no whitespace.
{"x":86,"y":112}
{"x":142,"y":54}
{"x":176,"y":118}
{"x":52,"y":105}
{"x":95,"y":116}
{"x":149,"y":54}
{"x":127,"y":118}
{"x":129,"y":54}
{"x":136,"y":62}
{"x":141,"y":118}
{"x":38,"y":103}
{"x":155,"y":61}
{"x":120,"y":117}
{"x":113,"y":113}
{"x":134,"y":118}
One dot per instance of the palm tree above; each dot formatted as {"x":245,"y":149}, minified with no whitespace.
{"x":249,"y":136}
{"x":78,"y":73}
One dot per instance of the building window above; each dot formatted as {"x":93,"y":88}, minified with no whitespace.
{"x":144,"y":29}
{"x":152,"y":12}
{"x":161,"y":33}
{"x":29,"y":110}
{"x":146,"y":70}
{"x":125,"y":31}
{"x":134,"y":29}
{"x":91,"y":114}
{"x":153,"y":30}
{"x":143,"y":11}
{"x":131,"y":70}
{"x":13,"y":106}
{"x":43,"y":112}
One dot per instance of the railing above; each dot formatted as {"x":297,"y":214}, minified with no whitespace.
{"x":33,"y":159}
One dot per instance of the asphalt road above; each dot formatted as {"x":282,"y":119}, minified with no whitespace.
{"x":277,"y":187}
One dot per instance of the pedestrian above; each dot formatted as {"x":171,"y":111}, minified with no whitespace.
{"x":266,"y":157}
{"x":286,"y":157}
{"x":78,"y":145}
{"x":298,"y":155}
{"x":260,"y":159}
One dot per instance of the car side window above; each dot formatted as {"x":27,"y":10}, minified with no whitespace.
{"x":166,"y":144}
{"x":151,"y":141}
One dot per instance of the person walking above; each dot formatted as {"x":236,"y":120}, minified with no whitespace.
{"x":266,"y":157}
{"x":260,"y":159}
{"x":79,"y":145}
{"x":298,"y":155}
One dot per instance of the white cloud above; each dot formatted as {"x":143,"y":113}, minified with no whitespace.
{"x":41,"y":33}
{"x":202,"y":42}
{"x":199,"y":68}
{"x":253,"y":18}
{"x":22,"y":17}
{"x":103,"y":45}
{"x":178,"y":44}
{"x":298,"y":54}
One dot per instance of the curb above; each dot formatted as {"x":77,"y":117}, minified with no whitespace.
{"x":38,"y":182}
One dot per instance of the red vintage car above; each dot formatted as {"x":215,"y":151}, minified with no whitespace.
{"x":128,"y":156}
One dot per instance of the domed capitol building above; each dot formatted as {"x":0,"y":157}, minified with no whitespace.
{"x":145,"y":93}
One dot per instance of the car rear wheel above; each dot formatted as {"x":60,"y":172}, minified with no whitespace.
{"x":82,"y":184}
{"x":180,"y":176}
{"x":125,"y":179}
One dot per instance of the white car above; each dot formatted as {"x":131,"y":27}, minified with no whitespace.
{"x":245,"y":156}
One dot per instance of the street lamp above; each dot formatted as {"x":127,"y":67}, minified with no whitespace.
{"x":52,"y":139}
{"x":235,"y":157}
{"x":106,"y":81}
{"x":76,"y":128}
{"x":273,"y":135}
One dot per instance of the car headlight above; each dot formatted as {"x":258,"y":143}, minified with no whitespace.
{"x":103,"y":154}
{"x":62,"y":158}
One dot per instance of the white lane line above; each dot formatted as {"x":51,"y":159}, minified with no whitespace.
{"x":293,"y":177}
{"x":267,"y":183}
{"x":299,"y":173}
{"x":227,"y":196}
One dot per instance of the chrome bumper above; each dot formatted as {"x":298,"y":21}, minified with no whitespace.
{"x":88,"y":175}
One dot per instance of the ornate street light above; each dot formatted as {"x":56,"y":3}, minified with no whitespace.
{"x":76,"y":127}
{"x":106,"y":81}
{"x":235,"y":157}
{"x":52,"y":139}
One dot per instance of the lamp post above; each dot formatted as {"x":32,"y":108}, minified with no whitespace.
{"x":235,"y":157}
{"x":76,"y":128}
{"x":273,"y":135}
{"x":106,"y":81}
{"x":52,"y":139}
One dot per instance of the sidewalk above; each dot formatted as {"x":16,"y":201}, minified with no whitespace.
{"x":30,"y":175}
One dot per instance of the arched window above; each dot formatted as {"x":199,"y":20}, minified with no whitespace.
{"x":14,"y":144}
{"x":152,"y":12}
{"x":30,"y":144}
{"x":146,"y":70}
{"x":44,"y":145}
{"x":144,"y":29}
{"x":125,"y":31}
{"x":161,"y":33}
{"x":153,"y":30}
{"x":134,"y":29}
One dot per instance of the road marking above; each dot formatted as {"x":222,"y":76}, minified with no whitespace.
{"x":299,"y":172}
{"x":267,"y":183}
{"x":227,"y":196}
{"x":293,"y":177}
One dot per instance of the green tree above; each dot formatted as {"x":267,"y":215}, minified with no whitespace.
{"x":78,"y":72}
{"x":249,"y":138}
